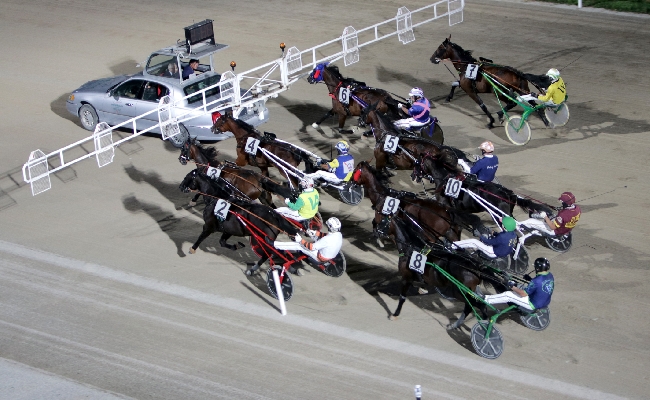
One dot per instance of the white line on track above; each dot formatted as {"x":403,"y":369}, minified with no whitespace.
{"x":437,"y":356}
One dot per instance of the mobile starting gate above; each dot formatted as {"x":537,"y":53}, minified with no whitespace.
{"x":264,"y":82}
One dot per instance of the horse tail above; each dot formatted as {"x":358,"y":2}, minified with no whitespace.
{"x":272,"y":187}
{"x":539,"y":81}
{"x":533,"y":206}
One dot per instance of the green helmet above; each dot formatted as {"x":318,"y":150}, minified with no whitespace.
{"x":509,"y":224}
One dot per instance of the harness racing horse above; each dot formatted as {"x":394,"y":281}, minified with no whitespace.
{"x":360,"y":95}
{"x":266,"y":222}
{"x":440,"y":172}
{"x":409,"y":148}
{"x":246,"y":182}
{"x":512,"y":78}
{"x":463,"y":269}
{"x":434,"y":219}
{"x":243,"y":131}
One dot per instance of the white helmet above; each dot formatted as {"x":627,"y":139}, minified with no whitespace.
{"x":554,"y":74}
{"x":307,"y":183}
{"x":416,"y":92}
{"x":333,"y":224}
{"x":487,"y":146}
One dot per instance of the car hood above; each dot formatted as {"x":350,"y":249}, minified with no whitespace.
{"x":101,"y":85}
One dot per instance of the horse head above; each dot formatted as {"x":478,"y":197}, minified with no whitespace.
{"x":189,"y":182}
{"x":442,"y":52}
{"x":185,"y":151}
{"x":316,"y":75}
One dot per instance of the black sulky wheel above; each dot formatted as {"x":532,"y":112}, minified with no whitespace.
{"x":538,"y":320}
{"x":490,"y":347}
{"x":519,"y":265}
{"x":351,"y":193}
{"x":287,"y":283}
{"x":560,"y":243}
{"x":335,"y":269}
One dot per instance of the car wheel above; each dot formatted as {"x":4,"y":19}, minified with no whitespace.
{"x":179,"y":140}
{"x":88,"y":117}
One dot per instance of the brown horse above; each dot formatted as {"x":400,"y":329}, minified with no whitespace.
{"x":464,"y":269}
{"x":434,"y":219}
{"x":412,"y":147}
{"x":243,"y":181}
{"x":243,"y":131}
{"x":514,"y":80}
{"x":360,"y":95}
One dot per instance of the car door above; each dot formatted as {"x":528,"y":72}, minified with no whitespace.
{"x":152,"y":92}
{"x":121,"y":104}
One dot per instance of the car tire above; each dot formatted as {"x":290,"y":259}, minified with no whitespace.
{"x":179,"y":140}
{"x":88,"y":117}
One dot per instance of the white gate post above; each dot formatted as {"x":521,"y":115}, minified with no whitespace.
{"x":104,"y":150}
{"x":39,"y":174}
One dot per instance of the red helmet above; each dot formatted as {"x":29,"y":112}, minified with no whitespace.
{"x":568,"y":198}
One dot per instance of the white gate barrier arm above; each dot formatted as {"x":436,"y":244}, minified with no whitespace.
{"x":264,"y":84}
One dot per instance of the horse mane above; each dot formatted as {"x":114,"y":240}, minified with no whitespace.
{"x":382,"y":177}
{"x":209,"y":152}
{"x":386,"y":122}
{"x":462,"y":53}
{"x":334,"y":69}
{"x":246,"y":126}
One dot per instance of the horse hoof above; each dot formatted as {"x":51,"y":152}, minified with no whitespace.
{"x":380,"y":243}
{"x":192,"y":250}
{"x":249,"y":272}
{"x":423,"y":291}
{"x":192,"y":203}
{"x":451,"y":327}
{"x":393,"y":317}
{"x":314,"y":125}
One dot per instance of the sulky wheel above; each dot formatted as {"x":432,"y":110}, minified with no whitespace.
{"x":490,"y":347}
{"x":560,"y":243}
{"x":520,"y":264}
{"x":335,"y":269}
{"x":179,"y":139}
{"x":287,"y":283}
{"x":518,"y":131}
{"x":538,"y":320}
{"x":351,"y":193}
{"x":557,"y":116}
{"x":438,"y":135}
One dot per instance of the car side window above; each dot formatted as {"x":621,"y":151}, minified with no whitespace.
{"x":154,"y":91}
{"x":129,"y":89}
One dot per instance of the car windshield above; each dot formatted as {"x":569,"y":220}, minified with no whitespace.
{"x":157,"y":64}
{"x":200,"y":85}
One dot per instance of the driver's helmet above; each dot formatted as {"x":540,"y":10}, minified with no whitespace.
{"x":306,"y":183}
{"x":542,"y":265}
{"x":554,"y":74}
{"x":333,"y":224}
{"x":567,"y":198}
{"x":416,"y":92}
{"x":509,"y":224}
{"x":487,"y":146}
{"x":342,"y":147}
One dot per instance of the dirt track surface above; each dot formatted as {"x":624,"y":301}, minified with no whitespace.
{"x":98,"y":290}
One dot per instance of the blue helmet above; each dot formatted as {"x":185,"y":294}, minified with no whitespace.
{"x":343,"y":147}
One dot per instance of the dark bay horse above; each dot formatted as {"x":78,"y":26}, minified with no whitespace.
{"x":244,"y":181}
{"x":434,"y":219}
{"x":360,"y":95}
{"x":242,"y":131}
{"x":462,"y":268}
{"x":511,"y":78}
{"x":412,"y":147}
{"x":267,"y":223}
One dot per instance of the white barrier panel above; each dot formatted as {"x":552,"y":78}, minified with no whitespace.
{"x":104,"y":150}
{"x":404,"y":26}
{"x":350,"y":46}
{"x":39,"y":174}
{"x":456,"y":11}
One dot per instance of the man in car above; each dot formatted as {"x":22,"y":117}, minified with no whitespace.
{"x":190,"y":68}
{"x":172,"y":71}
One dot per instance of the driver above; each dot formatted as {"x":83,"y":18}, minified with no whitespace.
{"x":537,"y":294}
{"x":563,"y":223}
{"x":556,"y":92}
{"x":325,"y":248}
{"x":338,"y":170}
{"x":501,"y":245}
{"x":305,"y":206}
{"x":419,"y":111}
{"x":486,"y":168}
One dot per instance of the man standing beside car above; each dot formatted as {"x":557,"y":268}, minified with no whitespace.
{"x":190,"y":68}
